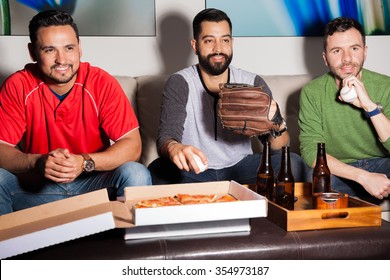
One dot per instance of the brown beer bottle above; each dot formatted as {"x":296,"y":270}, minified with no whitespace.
{"x":321,"y":172}
{"x":284,"y":188}
{"x":265,"y":173}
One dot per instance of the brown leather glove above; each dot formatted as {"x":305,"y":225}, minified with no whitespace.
{"x":244,"y":109}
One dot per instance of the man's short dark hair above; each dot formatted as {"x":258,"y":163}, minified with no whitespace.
{"x":213,"y":15}
{"x":342,"y":24}
{"x":50,"y":18}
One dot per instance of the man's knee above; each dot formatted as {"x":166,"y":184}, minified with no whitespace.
{"x":135,"y":174}
{"x":7,"y":180}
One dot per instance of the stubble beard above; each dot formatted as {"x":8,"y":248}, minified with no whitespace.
{"x":337,"y":71}
{"x":62,"y":79}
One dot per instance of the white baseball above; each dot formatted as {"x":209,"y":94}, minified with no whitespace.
{"x":200,"y":164}
{"x":348,"y":94}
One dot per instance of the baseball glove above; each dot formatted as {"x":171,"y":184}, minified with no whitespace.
{"x":244,"y":109}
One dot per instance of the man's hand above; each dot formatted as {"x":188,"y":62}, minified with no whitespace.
{"x":183,"y":156}
{"x":363,"y":99}
{"x":272,"y":109}
{"x":381,"y":122}
{"x":61,"y":166}
{"x":376,"y":184}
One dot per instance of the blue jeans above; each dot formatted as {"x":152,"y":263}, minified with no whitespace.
{"x":375,"y":165}
{"x":244,"y":172}
{"x":20,"y":191}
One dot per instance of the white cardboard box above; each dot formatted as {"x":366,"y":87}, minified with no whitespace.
{"x":87,"y":214}
{"x":55,"y":222}
{"x":185,"y":229}
{"x":193,"y":219}
{"x":250,"y":204}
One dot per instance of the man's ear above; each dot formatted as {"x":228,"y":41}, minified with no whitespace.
{"x":31,"y":51}
{"x":324,"y":58}
{"x":81,"y":50}
{"x":365,"y":53}
{"x":194,"y":46}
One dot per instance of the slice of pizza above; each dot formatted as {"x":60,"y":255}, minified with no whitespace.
{"x":196,"y":198}
{"x":226,"y":198}
{"x":157,"y":202}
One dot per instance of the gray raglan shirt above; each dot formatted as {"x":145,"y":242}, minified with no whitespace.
{"x":189,"y":115}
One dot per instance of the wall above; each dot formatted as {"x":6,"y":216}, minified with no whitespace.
{"x":170,"y":49}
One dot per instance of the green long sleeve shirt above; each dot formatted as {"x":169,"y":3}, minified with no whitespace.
{"x":347,"y":133}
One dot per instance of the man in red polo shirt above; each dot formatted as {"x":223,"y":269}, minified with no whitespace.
{"x":58,"y":117}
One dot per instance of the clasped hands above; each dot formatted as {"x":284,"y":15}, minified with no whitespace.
{"x":61,"y":166}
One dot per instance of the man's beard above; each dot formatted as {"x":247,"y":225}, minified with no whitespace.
{"x":216,"y":68}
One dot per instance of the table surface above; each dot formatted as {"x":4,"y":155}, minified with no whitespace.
{"x":266,"y":240}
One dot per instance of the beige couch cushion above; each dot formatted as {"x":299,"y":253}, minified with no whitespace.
{"x":286,"y":90}
{"x":149,"y":93}
{"x":129,"y":85}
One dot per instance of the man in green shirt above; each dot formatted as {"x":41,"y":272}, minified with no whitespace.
{"x":357,"y":133}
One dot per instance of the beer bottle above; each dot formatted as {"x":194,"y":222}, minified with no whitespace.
{"x":284,"y":188}
{"x":265,"y":173}
{"x":321,"y":172}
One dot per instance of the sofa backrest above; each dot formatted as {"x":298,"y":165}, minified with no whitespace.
{"x":286,"y":90}
{"x":129,"y":85}
{"x":145,"y":92}
{"x":149,"y":94}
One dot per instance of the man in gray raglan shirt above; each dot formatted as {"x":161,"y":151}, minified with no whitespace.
{"x":189,"y":125}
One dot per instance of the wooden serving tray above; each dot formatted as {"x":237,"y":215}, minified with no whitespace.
{"x":359,"y":213}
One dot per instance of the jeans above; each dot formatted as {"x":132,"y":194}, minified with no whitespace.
{"x":244,"y":172}
{"x":375,"y":165}
{"x":20,"y":191}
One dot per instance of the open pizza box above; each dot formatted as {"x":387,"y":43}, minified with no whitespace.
{"x":195,"y":218}
{"x":91,"y":213}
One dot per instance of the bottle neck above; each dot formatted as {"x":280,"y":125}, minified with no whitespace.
{"x":285,"y":164}
{"x":266,"y":156}
{"x":321,"y":154}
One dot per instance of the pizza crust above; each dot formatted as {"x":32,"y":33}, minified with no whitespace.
{"x":184,"y":199}
{"x":158,"y":202}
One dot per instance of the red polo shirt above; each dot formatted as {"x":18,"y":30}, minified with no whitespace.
{"x":95,"y":111}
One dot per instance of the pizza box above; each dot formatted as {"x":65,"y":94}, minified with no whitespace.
{"x":359,"y":213}
{"x":91,"y":213}
{"x":55,"y":222}
{"x":186,"y":229}
{"x":196,"y":219}
{"x":249,"y":204}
